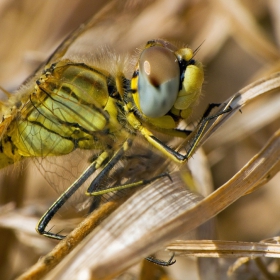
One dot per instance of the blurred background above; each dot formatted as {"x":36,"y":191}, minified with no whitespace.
{"x":238,"y":43}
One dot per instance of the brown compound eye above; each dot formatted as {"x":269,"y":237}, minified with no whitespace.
{"x":158,"y":82}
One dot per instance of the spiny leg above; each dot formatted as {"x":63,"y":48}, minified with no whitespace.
{"x":107,"y":168}
{"x":91,"y":190}
{"x":99,"y":162}
{"x":161,"y":262}
{"x":173,"y":154}
{"x":202,"y":125}
{"x":46,"y":218}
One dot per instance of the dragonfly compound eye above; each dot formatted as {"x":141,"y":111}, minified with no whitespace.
{"x":158,"y":83}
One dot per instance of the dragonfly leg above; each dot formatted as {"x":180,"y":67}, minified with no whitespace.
{"x":99,"y":162}
{"x":171,"y":153}
{"x":202,"y":125}
{"x":46,"y":218}
{"x":161,"y":262}
{"x":92,"y":188}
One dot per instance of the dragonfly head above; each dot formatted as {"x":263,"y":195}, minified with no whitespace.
{"x":167,"y":81}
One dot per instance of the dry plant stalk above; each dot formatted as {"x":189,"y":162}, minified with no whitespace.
{"x":224,"y":249}
{"x":216,"y":23}
{"x":46,"y":263}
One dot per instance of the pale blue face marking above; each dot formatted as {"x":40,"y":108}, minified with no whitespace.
{"x":158,"y":81}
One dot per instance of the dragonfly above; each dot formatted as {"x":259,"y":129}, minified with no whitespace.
{"x":73,"y":106}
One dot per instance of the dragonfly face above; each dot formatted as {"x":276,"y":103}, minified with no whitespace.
{"x":167,"y":81}
{"x":78,"y":106}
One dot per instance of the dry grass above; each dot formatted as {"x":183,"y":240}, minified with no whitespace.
{"x":239,"y":45}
